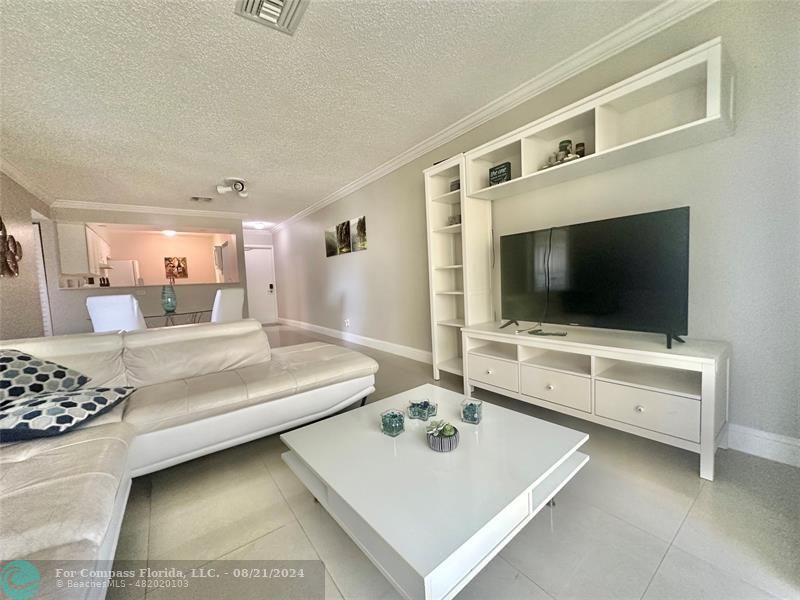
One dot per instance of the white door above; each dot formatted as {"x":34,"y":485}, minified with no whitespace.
{"x":260,"y":269}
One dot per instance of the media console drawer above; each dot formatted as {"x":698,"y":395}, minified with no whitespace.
{"x":494,"y":371}
{"x":561,"y":388}
{"x":665,"y":413}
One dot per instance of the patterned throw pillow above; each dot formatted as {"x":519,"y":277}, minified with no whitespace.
{"x":22,"y":375}
{"x":54,"y":413}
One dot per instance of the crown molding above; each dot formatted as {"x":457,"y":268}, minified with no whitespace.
{"x":650,"y":23}
{"x":19,"y":176}
{"x":63,"y":204}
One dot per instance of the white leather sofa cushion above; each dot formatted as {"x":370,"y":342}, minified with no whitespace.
{"x":174,"y":403}
{"x":160,"y":355}
{"x":292,"y":370}
{"x":98,"y":355}
{"x":267,"y":381}
{"x":317,"y":364}
{"x":60,"y":491}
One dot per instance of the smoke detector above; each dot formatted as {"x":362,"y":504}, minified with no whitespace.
{"x":233,"y":184}
{"x":283,"y":15}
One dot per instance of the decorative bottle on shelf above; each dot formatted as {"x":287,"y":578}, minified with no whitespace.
{"x":169,"y":301}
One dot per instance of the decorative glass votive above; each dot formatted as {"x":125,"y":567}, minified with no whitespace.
{"x":169,"y":302}
{"x":422,"y":410}
{"x":471,"y":411}
{"x":392,"y":422}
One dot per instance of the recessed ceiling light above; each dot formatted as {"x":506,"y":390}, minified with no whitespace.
{"x":169,"y":232}
{"x":256,"y":224}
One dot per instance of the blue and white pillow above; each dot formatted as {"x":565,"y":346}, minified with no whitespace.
{"x":44,"y":415}
{"x":23,"y":375}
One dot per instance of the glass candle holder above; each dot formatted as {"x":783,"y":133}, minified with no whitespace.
{"x":471,"y":411}
{"x":392,"y":422}
{"x":422,"y":410}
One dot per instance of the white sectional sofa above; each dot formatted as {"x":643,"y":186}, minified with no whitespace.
{"x":200,"y":389}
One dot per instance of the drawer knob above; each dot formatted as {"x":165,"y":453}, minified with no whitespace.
{"x":550,"y":387}
{"x":639,"y":408}
{"x":488,"y":371}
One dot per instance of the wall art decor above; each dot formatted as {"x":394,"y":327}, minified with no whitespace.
{"x":358,"y":233}
{"x":175,"y":267}
{"x":346,"y":237}
{"x":343,"y":237}
{"x":331,"y":246}
{"x":10,"y":253}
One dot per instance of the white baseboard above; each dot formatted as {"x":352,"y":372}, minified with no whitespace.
{"x":391,"y":347}
{"x":772,"y":446}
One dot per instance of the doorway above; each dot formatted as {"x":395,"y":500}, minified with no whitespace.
{"x":41,"y":275}
{"x":262,"y":301}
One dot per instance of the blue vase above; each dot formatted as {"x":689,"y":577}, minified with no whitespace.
{"x":169,"y":301}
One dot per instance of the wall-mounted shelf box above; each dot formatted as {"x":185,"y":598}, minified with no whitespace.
{"x":680,"y":103}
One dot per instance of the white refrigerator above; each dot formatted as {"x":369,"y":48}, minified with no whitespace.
{"x":123,"y":273}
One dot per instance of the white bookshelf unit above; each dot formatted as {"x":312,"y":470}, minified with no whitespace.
{"x":460,"y":285}
{"x":682,"y":102}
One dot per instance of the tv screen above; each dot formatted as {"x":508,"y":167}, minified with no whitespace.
{"x":627,"y":273}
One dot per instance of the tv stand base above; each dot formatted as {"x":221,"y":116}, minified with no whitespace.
{"x":622,"y":380}
{"x":671,"y":337}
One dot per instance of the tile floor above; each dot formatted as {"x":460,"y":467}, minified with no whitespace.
{"x":637,"y":522}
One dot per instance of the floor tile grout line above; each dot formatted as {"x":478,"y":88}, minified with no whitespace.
{"x":305,"y":533}
{"x":638,"y":527}
{"x":705,"y":560}
{"x":239,"y":547}
{"x":271,"y":531}
{"x":672,"y":541}
{"x":634,"y":525}
{"x":510,"y":564}
{"x":149,"y":525}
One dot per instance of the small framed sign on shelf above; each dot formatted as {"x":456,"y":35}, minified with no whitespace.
{"x":500,"y":173}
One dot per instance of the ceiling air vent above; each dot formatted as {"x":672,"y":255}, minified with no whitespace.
{"x":283,"y":15}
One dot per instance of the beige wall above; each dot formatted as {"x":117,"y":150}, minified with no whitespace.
{"x":20,"y":309}
{"x":151,"y":248}
{"x":743,"y":192}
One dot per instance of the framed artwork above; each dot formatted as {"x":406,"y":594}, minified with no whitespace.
{"x":346,"y":237}
{"x":358,"y":233}
{"x":331,"y":246}
{"x":10,"y":253}
{"x":176,"y":267}
{"x":343,"y":237}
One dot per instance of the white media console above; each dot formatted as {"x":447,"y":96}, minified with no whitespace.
{"x":628,"y":381}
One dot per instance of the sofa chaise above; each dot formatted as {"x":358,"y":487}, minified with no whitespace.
{"x":200,"y":389}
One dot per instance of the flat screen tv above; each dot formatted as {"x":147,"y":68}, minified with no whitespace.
{"x":628,"y":273}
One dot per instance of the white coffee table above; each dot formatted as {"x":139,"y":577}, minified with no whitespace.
{"x":429,"y":521}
